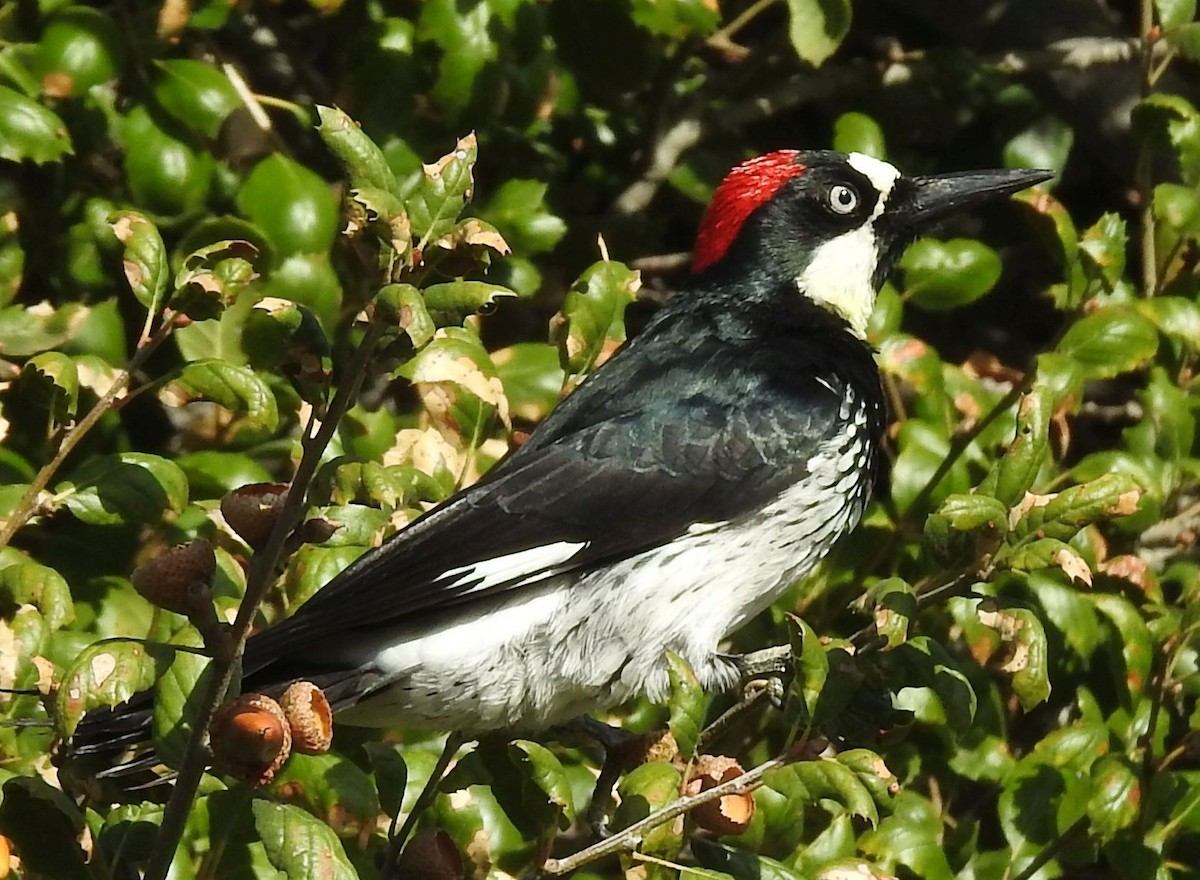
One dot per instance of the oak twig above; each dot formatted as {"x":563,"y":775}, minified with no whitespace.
{"x":259,"y":579}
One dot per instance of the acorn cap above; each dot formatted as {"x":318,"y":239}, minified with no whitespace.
{"x":309,"y":716}
{"x":250,"y":738}
{"x":179,"y":578}
{"x":252,"y":510}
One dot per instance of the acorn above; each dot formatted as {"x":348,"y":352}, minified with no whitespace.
{"x":252,"y":510}
{"x":431,"y":855}
{"x":730,"y":814}
{"x":179,"y":579}
{"x":250,"y":738}
{"x":309,"y":716}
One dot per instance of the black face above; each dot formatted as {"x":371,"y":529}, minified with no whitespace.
{"x":830,"y":198}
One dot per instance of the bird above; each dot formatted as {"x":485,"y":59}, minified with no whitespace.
{"x":677,"y":492}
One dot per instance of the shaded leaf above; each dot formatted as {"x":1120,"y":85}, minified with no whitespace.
{"x":300,"y":846}
{"x":817,"y":27}
{"x":234,"y":387}
{"x":30,"y":131}
{"x":132,"y":487}
{"x":688,"y":704}
{"x":363,"y":160}
{"x":946,"y":274}
{"x":146,"y":266}
{"x":591,"y":325}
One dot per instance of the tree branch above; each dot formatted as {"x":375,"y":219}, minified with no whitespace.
{"x":259,"y":579}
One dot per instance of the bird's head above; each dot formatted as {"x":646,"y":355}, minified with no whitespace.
{"x":833,"y":224}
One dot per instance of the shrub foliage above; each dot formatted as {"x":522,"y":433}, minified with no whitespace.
{"x":320,"y":245}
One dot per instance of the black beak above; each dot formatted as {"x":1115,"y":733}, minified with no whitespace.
{"x":926,"y":199}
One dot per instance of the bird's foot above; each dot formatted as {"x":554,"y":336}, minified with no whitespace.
{"x":623,"y":750}
{"x":771,"y":662}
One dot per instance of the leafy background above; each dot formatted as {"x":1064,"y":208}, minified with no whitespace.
{"x":196,"y":283}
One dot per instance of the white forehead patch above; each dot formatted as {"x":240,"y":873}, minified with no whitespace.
{"x":883,"y":176}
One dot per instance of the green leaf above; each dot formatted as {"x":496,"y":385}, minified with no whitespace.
{"x":176,"y":687}
{"x":532,"y":378}
{"x":28,"y":583}
{"x":213,"y":277}
{"x":859,"y":133}
{"x":404,"y":306}
{"x":1134,"y":642}
{"x":1014,"y":474}
{"x":1116,"y":796}
{"x":55,"y":381}
{"x":518,"y":209}
{"x":1173,"y":13}
{"x":452,"y":302}
{"x":458,"y":385}
{"x":677,"y":18}
{"x":391,"y":775}
{"x":727,"y":861}
{"x":147,"y":268}
{"x":330,"y":787}
{"x":30,"y":131}
{"x":1110,"y":341}
{"x":591,"y":325}
{"x":817,"y":27}
{"x":464,"y":36}
{"x":291,"y":204}
{"x":828,"y":780}
{"x":166,"y":175}
{"x":302,"y":847}
{"x":1173,"y":120}
{"x":911,"y":837}
{"x":688,"y":704}
{"x":433,"y":206}
{"x":195,"y":93}
{"x":237,"y":388}
{"x":643,"y":790}
{"x":1045,"y":144}
{"x":106,"y":673}
{"x":945,"y":274}
{"x":811,"y":662}
{"x":968,"y":513}
{"x":131,"y":487}
{"x":895,"y":605}
{"x":363,"y":160}
{"x":1028,"y":660}
{"x":1102,"y":249}
{"x":923,"y":662}
{"x":1073,"y":508}
{"x":1185,"y":40}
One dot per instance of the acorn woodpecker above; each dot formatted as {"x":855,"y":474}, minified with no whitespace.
{"x":708,"y":465}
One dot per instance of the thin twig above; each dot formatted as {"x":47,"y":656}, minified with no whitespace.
{"x":396,"y":839}
{"x":29,"y":501}
{"x":1143,"y":174}
{"x":629,"y":837}
{"x":259,"y":579}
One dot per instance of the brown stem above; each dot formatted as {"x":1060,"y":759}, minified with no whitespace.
{"x":29,"y":501}
{"x":1143,"y":173}
{"x":258,"y":581}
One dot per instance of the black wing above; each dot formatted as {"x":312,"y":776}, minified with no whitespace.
{"x":682,"y":428}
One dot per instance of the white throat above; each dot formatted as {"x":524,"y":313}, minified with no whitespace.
{"x":839,"y":276}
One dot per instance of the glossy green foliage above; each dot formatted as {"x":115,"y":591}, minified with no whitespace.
{"x":206,"y":207}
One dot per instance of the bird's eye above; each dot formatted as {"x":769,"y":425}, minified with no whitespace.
{"x":842,"y":199}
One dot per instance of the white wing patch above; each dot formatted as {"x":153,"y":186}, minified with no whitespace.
{"x":513,"y":566}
